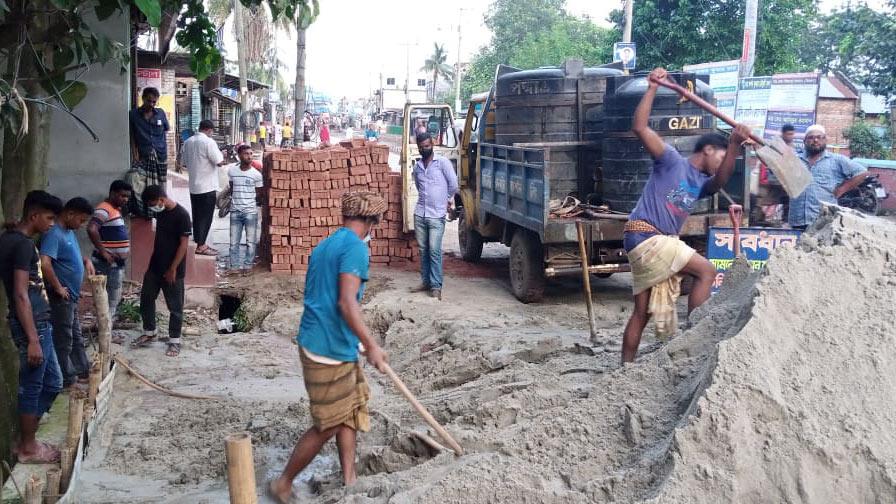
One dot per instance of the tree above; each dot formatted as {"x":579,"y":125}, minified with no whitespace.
{"x":436,"y":64}
{"x":860,"y":42}
{"x":674,"y":33}
{"x":533,"y":34}
{"x":864,"y":142}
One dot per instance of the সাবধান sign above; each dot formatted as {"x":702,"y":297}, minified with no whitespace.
{"x":756,"y":244}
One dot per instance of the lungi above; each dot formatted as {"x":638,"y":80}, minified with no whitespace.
{"x":338,"y":394}
{"x":656,"y":263}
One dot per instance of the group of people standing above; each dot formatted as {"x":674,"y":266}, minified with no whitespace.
{"x":42,"y":270}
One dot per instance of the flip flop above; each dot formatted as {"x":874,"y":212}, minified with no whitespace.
{"x":207,"y":251}
{"x":276,"y":497}
{"x":46,"y":454}
{"x":173,"y":350}
{"x":143,"y":341}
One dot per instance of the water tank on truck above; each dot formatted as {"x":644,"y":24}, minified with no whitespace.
{"x":626,"y":164}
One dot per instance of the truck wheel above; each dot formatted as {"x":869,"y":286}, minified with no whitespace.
{"x":470,"y":240}
{"x":526,"y":267}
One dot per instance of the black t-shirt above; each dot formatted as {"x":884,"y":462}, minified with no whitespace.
{"x":171,"y":226}
{"x":18,"y":252}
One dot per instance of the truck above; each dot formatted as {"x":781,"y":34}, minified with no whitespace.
{"x":523,"y":149}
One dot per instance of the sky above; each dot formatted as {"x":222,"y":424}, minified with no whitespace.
{"x":351,"y":43}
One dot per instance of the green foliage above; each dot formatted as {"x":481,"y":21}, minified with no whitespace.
{"x":241,"y":322}
{"x":532,"y":34}
{"x":674,"y":33}
{"x":128,"y":311}
{"x":860,"y":42}
{"x":864,"y":141}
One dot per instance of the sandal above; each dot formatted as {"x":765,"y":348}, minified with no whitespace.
{"x":207,"y":251}
{"x":173,"y":350}
{"x":277,"y":497}
{"x":46,"y":454}
{"x":143,"y":341}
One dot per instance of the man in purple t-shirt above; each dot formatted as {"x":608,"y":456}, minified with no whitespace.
{"x":657,"y":256}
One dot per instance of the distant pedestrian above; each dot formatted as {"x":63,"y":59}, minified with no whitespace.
{"x":149,"y":126}
{"x":370,"y":133}
{"x":40,"y":378}
{"x":436,"y":182}
{"x":111,"y":243}
{"x":63,"y":269}
{"x":262,"y":134}
{"x":330,"y":337}
{"x":246,"y":185}
{"x":167,"y":269}
{"x":203,"y":157}
{"x":287,"y":136}
{"x":324,"y":130}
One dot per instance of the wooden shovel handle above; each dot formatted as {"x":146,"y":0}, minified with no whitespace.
{"x":422,"y":411}
{"x":705,"y":105}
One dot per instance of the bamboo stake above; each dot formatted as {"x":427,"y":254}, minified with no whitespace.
{"x":75,"y":420}
{"x":51,"y":493}
{"x":66,"y":461}
{"x":586,"y":279}
{"x":34,"y":490}
{"x":423,"y":412}
{"x":93,"y":387}
{"x":240,"y":468}
{"x":103,"y":319}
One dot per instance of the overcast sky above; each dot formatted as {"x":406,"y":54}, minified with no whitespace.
{"x":352,"y":43}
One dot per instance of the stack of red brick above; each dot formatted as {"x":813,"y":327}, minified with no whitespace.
{"x":303,"y":204}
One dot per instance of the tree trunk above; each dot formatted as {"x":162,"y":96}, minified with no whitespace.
{"x":435,"y":79}
{"x":299,"y":114}
{"x":25,"y":167}
{"x":239,"y":31}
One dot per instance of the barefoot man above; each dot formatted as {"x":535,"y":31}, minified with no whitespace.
{"x":658,"y":258}
{"x":331,"y":328}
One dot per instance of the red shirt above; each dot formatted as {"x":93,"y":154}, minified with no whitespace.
{"x":325,"y":134}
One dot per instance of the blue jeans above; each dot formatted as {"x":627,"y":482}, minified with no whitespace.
{"x":239,"y":221}
{"x":38,"y":385}
{"x":114,"y":276}
{"x":429,"y":238}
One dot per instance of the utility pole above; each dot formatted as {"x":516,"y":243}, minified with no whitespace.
{"x":241,"y":62}
{"x":748,"y":53}
{"x":407,"y":75}
{"x":458,"y":70}
{"x":627,"y":32}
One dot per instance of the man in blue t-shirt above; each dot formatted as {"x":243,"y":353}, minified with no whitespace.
{"x":329,"y":335}
{"x":63,"y":268}
{"x":656,"y":255}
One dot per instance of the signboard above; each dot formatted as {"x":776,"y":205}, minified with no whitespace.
{"x":148,"y":77}
{"x":723,"y":79}
{"x":752,"y":103}
{"x":791,"y":101}
{"x":627,"y":53}
{"x":756,"y":244}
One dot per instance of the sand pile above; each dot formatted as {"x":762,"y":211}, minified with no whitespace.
{"x":780,"y":392}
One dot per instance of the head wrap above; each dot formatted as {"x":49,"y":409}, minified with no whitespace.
{"x":363,"y":204}
{"x":816,"y":127}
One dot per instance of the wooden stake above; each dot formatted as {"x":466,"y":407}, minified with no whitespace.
{"x":423,"y":412}
{"x":51,"y":493}
{"x":240,"y":468}
{"x":103,"y":319}
{"x":586,"y":279}
{"x":75,"y":421}
{"x":93,"y":386}
{"x":34,"y":491}
{"x":66,"y":461}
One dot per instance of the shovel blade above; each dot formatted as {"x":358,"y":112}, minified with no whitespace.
{"x":784,"y":163}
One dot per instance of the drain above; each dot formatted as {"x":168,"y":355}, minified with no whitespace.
{"x":228,"y":313}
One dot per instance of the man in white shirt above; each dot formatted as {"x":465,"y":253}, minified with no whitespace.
{"x":202,"y":158}
{"x":246,"y":185}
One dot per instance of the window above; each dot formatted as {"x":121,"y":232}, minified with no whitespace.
{"x":390,"y":81}
{"x":437,"y":123}
{"x":421,"y":82}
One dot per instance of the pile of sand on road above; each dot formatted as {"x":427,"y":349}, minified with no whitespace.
{"x":801,"y":405}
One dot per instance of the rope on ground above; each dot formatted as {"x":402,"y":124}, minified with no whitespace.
{"x":160,"y":388}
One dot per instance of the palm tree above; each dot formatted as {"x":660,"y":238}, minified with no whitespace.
{"x":436,"y":64}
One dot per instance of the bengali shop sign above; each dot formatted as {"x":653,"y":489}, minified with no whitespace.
{"x":752,"y":103}
{"x":756,"y":244}
{"x":723,"y":79}
{"x":792,"y":100}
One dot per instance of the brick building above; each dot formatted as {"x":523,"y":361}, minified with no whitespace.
{"x":836,"y":109}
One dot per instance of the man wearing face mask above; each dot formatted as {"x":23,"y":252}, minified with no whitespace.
{"x":833,"y":175}
{"x":329,"y":335}
{"x":436,"y":182}
{"x":167,"y":268}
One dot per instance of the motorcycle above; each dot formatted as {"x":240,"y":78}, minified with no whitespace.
{"x":867,"y":197}
{"x":229,"y":152}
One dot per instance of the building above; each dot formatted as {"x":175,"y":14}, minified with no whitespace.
{"x":836,"y":109}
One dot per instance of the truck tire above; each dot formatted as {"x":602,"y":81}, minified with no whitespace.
{"x":526,"y":267}
{"x":469,"y":239}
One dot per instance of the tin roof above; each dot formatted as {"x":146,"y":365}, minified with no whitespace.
{"x":870,"y":103}
{"x":830,"y":86}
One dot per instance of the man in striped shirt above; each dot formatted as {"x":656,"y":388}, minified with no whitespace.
{"x":245,"y":187}
{"x":109,"y":234}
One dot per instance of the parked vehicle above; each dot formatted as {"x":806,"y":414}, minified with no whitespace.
{"x":867,"y":197}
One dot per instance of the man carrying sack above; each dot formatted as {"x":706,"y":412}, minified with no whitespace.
{"x":329,"y":335}
{"x":657,"y":257}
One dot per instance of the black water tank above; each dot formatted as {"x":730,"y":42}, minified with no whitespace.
{"x":545,"y":104}
{"x":626,"y":165}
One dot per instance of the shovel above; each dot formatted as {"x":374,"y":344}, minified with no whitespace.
{"x":778,"y":156}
